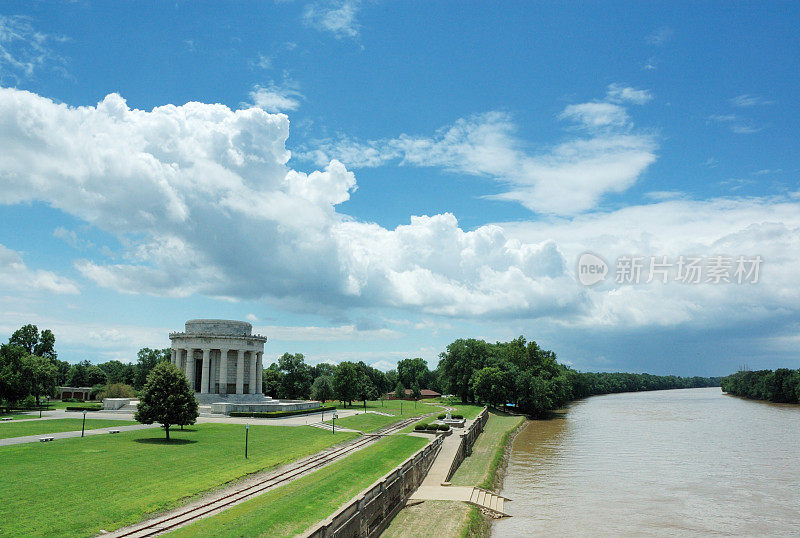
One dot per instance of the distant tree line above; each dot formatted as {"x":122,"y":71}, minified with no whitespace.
{"x":30,"y":370}
{"x":524,"y":375}
{"x":781,"y":385}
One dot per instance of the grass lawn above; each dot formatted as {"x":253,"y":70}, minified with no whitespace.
{"x":480,"y":468}
{"x":431,"y":519}
{"x":295,"y":507}
{"x":17,"y":416}
{"x":394,"y":407}
{"x":105,"y":482}
{"x":19,"y":429}
{"x":365,"y":422}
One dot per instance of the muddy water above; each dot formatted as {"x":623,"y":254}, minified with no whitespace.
{"x":669,"y":463}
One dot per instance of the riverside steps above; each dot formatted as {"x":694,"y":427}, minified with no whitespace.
{"x":436,"y":486}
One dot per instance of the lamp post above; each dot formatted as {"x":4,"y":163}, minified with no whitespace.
{"x":335,"y":416}
{"x":83,"y":425}
{"x":246,"y":435}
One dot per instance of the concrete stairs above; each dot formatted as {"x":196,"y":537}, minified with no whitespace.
{"x":490,"y":501}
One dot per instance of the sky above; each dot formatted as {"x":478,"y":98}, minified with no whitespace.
{"x":371,"y":180}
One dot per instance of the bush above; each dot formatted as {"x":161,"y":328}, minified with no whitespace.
{"x":89,"y":407}
{"x":117,"y":390}
{"x":442,"y":416}
{"x":419,"y":427}
{"x":444,"y":427}
{"x":278,"y":414}
{"x":433,"y":427}
{"x":29,"y":402}
{"x":459,"y":417}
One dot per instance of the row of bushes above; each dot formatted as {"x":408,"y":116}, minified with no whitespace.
{"x":444,"y":416}
{"x":90,"y":407}
{"x":432,"y":427}
{"x":278,"y":414}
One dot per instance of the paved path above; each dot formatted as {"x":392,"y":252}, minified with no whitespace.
{"x":444,"y":461}
{"x":77,"y":433}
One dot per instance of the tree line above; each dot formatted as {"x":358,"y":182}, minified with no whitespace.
{"x":781,"y":385}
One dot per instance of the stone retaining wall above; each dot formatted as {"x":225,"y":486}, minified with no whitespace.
{"x":468,"y":440}
{"x":371,"y":512}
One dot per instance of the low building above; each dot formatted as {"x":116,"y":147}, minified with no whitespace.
{"x":424,"y":395}
{"x":76,"y":393}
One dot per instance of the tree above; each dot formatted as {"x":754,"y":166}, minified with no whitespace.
{"x":167,"y":399}
{"x":271,"y":379}
{"x":146,"y":360}
{"x":118,"y":372}
{"x":322,"y":389}
{"x":96,"y":376}
{"x":459,"y":362}
{"x":13,"y":385}
{"x":78,"y":374}
{"x":411,"y":371}
{"x":28,"y":338}
{"x":416,"y":393}
{"x":399,"y":391}
{"x":297,"y":377}
{"x":345,"y":382}
{"x":40,"y":374}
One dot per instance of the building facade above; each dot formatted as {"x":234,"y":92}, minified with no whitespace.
{"x":220,"y":357}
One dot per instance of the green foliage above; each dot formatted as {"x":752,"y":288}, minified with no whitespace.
{"x":399,"y":390}
{"x":531,"y":379}
{"x":419,"y":427}
{"x":414,"y":371}
{"x":346,"y":382}
{"x":432,"y":427}
{"x":87,"y":407}
{"x":117,"y":390}
{"x":444,"y":427}
{"x":297,"y":377}
{"x":118,"y":372}
{"x":146,"y":360}
{"x":781,"y":385}
{"x":322,"y":389}
{"x":167,"y":399}
{"x":272,"y":377}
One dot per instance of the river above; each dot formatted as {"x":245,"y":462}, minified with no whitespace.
{"x":693,"y":462}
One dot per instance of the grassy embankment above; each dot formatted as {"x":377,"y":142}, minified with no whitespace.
{"x":444,"y":519}
{"x":104,"y":482}
{"x":298,"y":506}
{"x":56,"y":425}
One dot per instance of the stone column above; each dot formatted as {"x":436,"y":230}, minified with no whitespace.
{"x":253,"y":368}
{"x":259,"y":377}
{"x":190,"y":367}
{"x":206,"y":367}
{"x":223,"y":371}
{"x":172,"y":356}
{"x":239,"y":371}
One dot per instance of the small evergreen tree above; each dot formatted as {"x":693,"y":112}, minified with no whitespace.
{"x":416,"y":393}
{"x":399,"y":391}
{"x":167,"y":398}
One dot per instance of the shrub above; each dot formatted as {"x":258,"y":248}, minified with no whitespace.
{"x":444,"y":427}
{"x":89,"y":407}
{"x":459,"y":417}
{"x":432,"y":427}
{"x":443,"y":415}
{"x":29,"y":402}
{"x":419,"y":427}
{"x":117,"y":390}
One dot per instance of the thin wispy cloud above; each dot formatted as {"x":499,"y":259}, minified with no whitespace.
{"x":276,"y":97}
{"x":746,"y":100}
{"x":660,"y":36}
{"x":338,"y":17}
{"x":25,"y":50}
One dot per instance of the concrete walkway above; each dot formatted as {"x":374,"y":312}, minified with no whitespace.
{"x":77,"y":433}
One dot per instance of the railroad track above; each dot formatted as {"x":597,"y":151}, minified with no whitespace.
{"x":192,"y":513}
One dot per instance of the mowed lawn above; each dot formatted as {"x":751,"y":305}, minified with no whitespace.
{"x":393,"y":407}
{"x":298,"y":506}
{"x":76,"y":487}
{"x":478,"y":469}
{"x":40,"y":427}
{"x":365,"y":422}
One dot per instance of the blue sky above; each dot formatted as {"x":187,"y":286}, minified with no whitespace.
{"x":372,"y":180}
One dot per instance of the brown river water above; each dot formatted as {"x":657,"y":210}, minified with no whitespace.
{"x":690,"y":462}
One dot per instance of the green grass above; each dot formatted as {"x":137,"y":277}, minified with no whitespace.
{"x":480,"y":468}
{"x":394,"y":407}
{"x":17,"y":416}
{"x":38,"y":427}
{"x":76,"y":487}
{"x":295,"y":507}
{"x":365,"y":422}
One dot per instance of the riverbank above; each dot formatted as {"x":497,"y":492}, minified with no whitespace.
{"x":484,"y":468}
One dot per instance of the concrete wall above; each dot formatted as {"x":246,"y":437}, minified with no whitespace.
{"x":371,"y":512}
{"x":221,"y":327}
{"x":468,"y":440}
